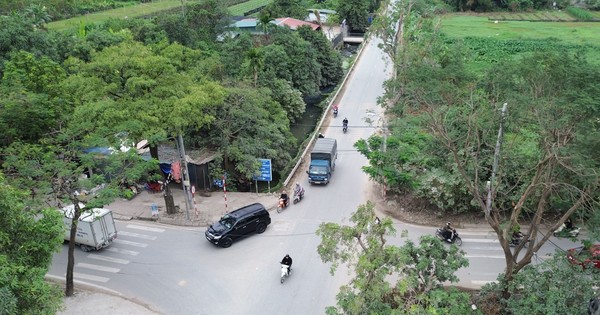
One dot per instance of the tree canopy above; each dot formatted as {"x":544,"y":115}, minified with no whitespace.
{"x":28,"y":239}
{"x":389,"y":279}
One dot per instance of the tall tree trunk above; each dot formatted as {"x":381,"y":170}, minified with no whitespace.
{"x":168,"y":196}
{"x":69,"y":287}
{"x":169,"y":202}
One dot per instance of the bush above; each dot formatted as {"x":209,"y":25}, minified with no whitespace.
{"x":580,"y":14}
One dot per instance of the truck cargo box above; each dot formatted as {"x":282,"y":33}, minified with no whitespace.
{"x":95,"y":230}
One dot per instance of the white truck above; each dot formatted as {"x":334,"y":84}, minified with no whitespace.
{"x":95,"y":230}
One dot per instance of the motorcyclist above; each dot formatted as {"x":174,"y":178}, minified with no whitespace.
{"x":298,"y":190}
{"x":335,"y":109}
{"x":345,"y":122}
{"x":449,"y":232}
{"x":284,"y":197}
{"x":287,"y":260}
{"x":517,"y":236}
{"x":569,"y":224}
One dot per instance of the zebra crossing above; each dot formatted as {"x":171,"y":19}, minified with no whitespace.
{"x":100,"y":266}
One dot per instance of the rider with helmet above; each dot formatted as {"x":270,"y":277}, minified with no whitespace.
{"x":287,"y":260}
{"x":299,"y":190}
{"x":449,"y":232}
{"x":345,"y":122}
{"x":284,"y":197}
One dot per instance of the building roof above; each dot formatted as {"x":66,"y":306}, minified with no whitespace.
{"x":292,"y":23}
{"x":295,"y":23}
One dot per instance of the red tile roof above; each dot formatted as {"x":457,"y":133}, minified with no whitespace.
{"x":295,"y":23}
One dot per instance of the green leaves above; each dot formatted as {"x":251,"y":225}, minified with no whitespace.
{"x":28,"y":240}
{"x":418,"y":270}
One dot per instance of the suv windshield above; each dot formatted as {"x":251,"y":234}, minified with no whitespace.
{"x":227,"y":221}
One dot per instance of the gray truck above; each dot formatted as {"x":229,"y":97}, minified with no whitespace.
{"x":322,"y":161}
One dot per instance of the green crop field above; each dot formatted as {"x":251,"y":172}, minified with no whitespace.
{"x":492,"y":40}
{"x":122,"y":13}
{"x":455,"y":25}
{"x":240,"y":9}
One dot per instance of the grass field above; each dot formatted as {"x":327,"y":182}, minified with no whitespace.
{"x":240,"y":9}
{"x":580,"y":33}
{"x":144,"y":9}
{"x":130,"y":11}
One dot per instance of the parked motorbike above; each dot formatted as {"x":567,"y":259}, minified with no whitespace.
{"x":563,"y":231}
{"x":285,"y":272}
{"x":281,"y":205}
{"x":455,"y":240}
{"x":298,"y":196}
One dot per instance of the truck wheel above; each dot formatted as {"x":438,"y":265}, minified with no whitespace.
{"x":85,"y":248}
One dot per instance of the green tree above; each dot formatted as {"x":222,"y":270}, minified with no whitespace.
{"x":289,"y":98}
{"x":254,"y":61}
{"x":545,"y":165}
{"x":301,"y":61}
{"x":355,"y":12}
{"x":249,"y":125}
{"x":31,"y":97}
{"x":418,"y":271}
{"x":552,"y":287}
{"x":329,"y":58}
{"x":131,"y":88}
{"x":52,"y":173}
{"x":28,"y":239}
{"x":287,"y":8}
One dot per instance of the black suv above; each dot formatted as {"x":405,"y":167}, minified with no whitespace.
{"x":238,"y":224}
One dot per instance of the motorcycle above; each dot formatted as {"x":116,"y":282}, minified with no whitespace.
{"x":285,"y":272}
{"x":516,"y":241}
{"x":335,"y":112}
{"x":281,"y":205}
{"x":298,"y":196}
{"x":455,"y":240}
{"x":345,"y":128}
{"x":563,"y":231}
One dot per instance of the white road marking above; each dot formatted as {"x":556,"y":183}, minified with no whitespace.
{"x":143,"y":236}
{"x":479,"y":240}
{"x":145,"y":228}
{"x":109,"y":259}
{"x":96,"y":267}
{"x":485,"y":256}
{"x":121,"y":251}
{"x":483,"y":248}
{"x":89,"y":277}
{"x":120,"y":241}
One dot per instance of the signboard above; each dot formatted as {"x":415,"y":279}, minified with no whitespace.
{"x":266,"y":173}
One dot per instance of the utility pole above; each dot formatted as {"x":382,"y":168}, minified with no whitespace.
{"x":185,"y":179}
{"x":490,"y":184}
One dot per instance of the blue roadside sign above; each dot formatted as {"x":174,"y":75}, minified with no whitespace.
{"x":266,"y":173}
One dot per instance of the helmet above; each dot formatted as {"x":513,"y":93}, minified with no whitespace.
{"x":448,"y":224}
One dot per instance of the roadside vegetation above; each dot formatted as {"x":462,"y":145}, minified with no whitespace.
{"x":486,"y":121}
{"x":117,"y":80}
